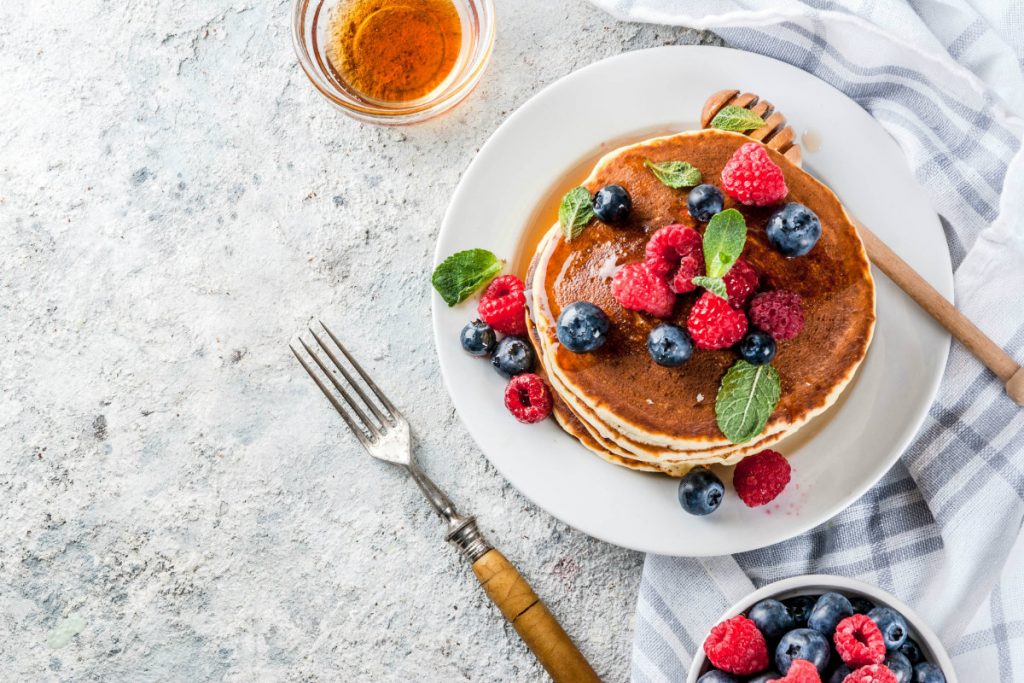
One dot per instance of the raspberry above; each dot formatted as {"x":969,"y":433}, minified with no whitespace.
{"x":740,"y":283}
{"x":503,"y":306}
{"x":801,"y":671}
{"x":750,"y":177}
{"x":528,"y":398}
{"x":714,"y":324}
{"x":873,"y":673}
{"x":676,"y":253}
{"x":760,"y":478}
{"x":636,"y":288}
{"x":779,"y":313}
{"x":859,"y":641}
{"x":736,"y":646}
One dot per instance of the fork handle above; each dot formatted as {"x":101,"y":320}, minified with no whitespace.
{"x":530,"y":618}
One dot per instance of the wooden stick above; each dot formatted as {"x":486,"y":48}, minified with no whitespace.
{"x":540,"y":630}
{"x":937,"y":306}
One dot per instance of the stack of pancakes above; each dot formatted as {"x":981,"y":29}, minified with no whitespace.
{"x":631,"y":411}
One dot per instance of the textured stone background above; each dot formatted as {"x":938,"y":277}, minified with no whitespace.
{"x":177,"y":503}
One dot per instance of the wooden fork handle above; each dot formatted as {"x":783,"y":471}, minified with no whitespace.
{"x":976,"y":341}
{"x":540,"y":630}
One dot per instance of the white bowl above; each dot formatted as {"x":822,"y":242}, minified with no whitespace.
{"x":815,"y":584}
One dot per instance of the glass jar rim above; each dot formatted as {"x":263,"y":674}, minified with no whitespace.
{"x":399,"y":113}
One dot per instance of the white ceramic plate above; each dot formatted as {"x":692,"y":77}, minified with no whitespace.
{"x":816,"y":584}
{"x":838,"y":456}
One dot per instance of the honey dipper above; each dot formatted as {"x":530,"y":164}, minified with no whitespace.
{"x":778,"y":135}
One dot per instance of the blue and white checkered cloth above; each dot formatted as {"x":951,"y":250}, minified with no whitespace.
{"x":943,"y":529}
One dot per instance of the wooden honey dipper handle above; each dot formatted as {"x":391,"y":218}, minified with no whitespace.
{"x":529,"y":616}
{"x":776,"y":135}
{"x":937,"y":306}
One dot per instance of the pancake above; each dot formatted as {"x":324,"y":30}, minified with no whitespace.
{"x":631,"y":407}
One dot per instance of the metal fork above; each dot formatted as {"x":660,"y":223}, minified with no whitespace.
{"x":386,"y":436}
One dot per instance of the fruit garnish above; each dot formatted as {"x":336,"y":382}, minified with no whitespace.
{"x":669,"y":345}
{"x":478,"y":338}
{"x":636,"y":288}
{"x":828,"y":611}
{"x":780,"y":313}
{"x":873,"y":673}
{"x":736,"y":118}
{"x":757,"y":348}
{"x":892,"y":625}
{"x":575,"y":212}
{"x":701,"y":491}
{"x":582,"y":327}
{"x":751,"y":177}
{"x":859,"y":642}
{"x":802,"y":644}
{"x":674,"y":174}
{"x":528,"y":398}
{"x":612,"y":204}
{"x":760,"y":478}
{"x":463,"y":273}
{"x":736,"y":646}
{"x":793,"y":230}
{"x":802,"y":671}
{"x":503,"y":305}
{"x":746,"y":399}
{"x":740,"y":283}
{"x":513,"y":356}
{"x":675,"y":252}
{"x":704,"y":201}
{"x":772,"y":618}
{"x":714,"y":324}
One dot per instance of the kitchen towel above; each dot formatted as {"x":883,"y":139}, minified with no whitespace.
{"x":943,"y":529}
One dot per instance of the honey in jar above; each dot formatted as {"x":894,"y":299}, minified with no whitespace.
{"x":394,"y":50}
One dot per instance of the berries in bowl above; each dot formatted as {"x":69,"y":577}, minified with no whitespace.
{"x":821,"y":629}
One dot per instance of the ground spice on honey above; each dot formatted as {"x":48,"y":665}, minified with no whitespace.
{"x":394,"y":50}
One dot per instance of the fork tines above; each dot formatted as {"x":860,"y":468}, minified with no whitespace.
{"x":367,"y":429}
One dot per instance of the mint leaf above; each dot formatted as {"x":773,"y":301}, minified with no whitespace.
{"x":575,"y":212}
{"x":723,"y":241}
{"x":715,"y":285}
{"x":675,"y":174}
{"x":746,"y":399}
{"x":736,"y":118}
{"x":463,"y":273}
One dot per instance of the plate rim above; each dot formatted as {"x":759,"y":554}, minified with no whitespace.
{"x":944,"y":287}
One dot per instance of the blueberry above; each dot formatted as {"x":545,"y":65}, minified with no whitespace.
{"x":716,"y":676}
{"x":892,"y":625}
{"x":514,"y":356}
{"x":703,"y":202}
{"x":612,"y":204}
{"x":926,"y":672}
{"x":772,"y":619}
{"x":478,"y":338}
{"x":764,"y":677}
{"x":912,"y":651}
{"x":793,"y":230}
{"x":582,"y":327}
{"x":861,"y":605}
{"x":757,"y":348}
{"x":900,"y":666}
{"x":669,"y":345}
{"x":802,"y":643}
{"x":830,"y":609}
{"x":839,"y":674}
{"x":800,"y":607}
{"x":700,"y":491}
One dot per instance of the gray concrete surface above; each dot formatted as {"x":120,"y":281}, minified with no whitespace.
{"x":176,"y":502}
